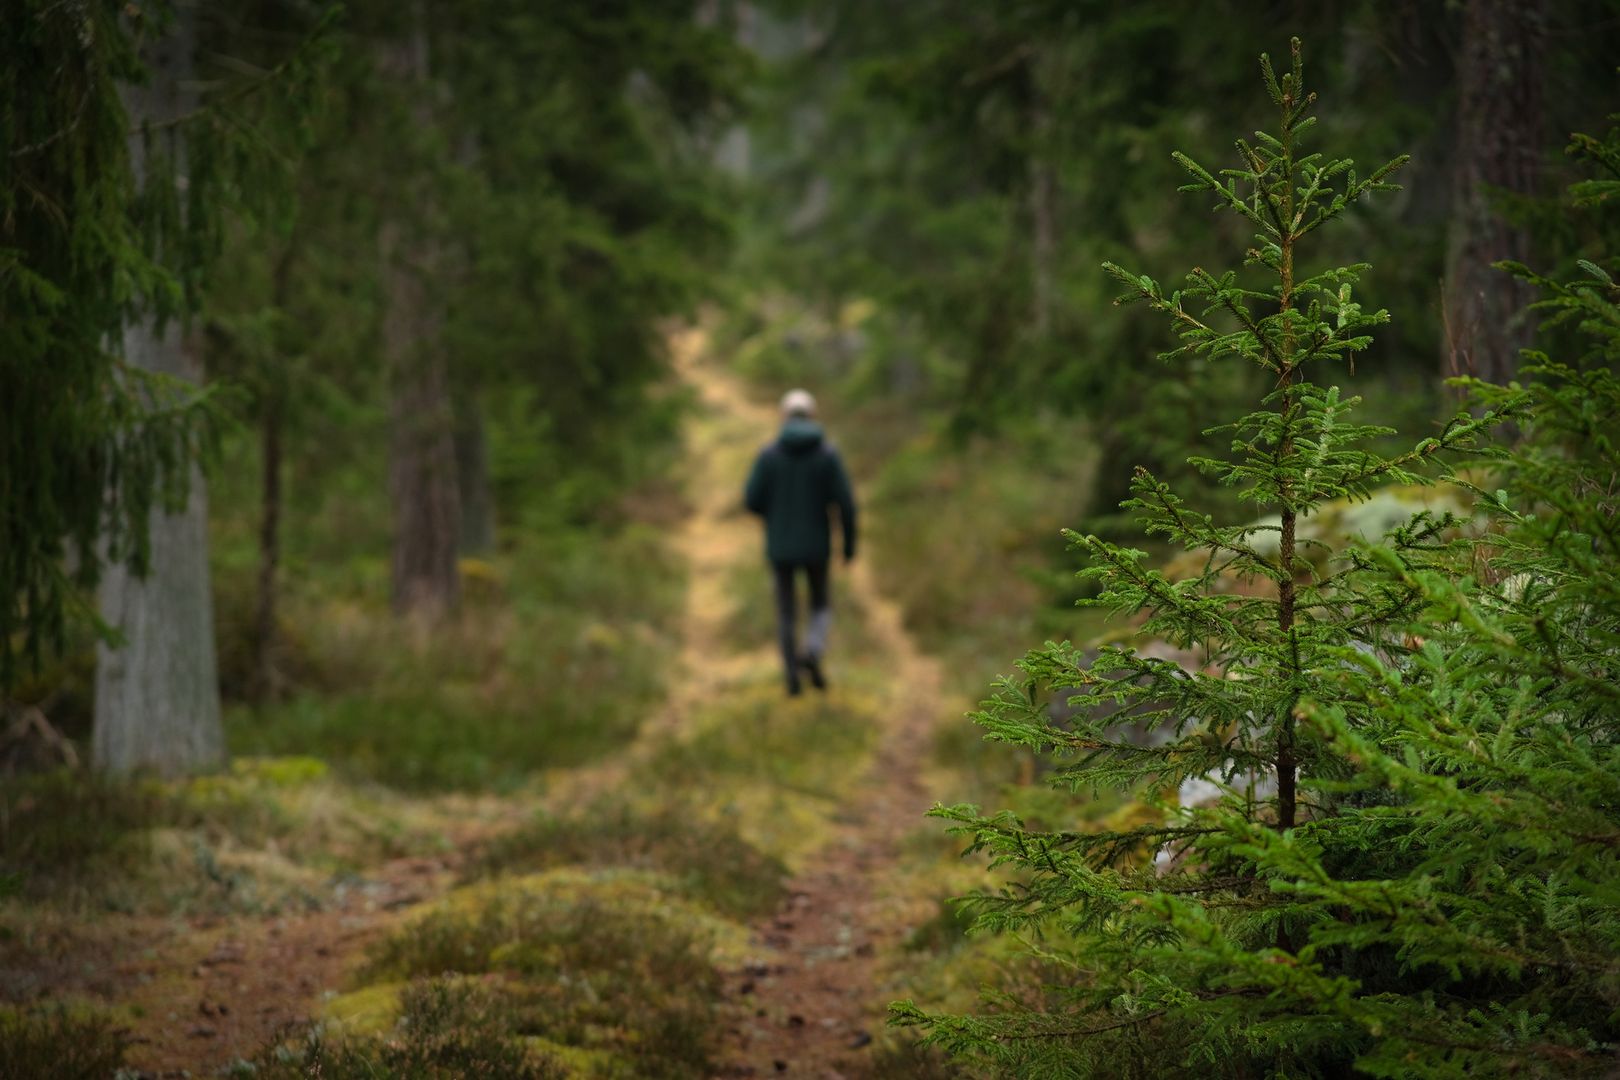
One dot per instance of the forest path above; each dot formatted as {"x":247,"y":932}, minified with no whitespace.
{"x":815,"y":1009}
{"x":830,"y":784}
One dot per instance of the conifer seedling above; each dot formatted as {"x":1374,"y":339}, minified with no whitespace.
{"x":1183,"y":939}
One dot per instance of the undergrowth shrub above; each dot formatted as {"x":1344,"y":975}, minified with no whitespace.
{"x":1395,"y":857}
{"x":61,"y":1043}
{"x":79,"y":837}
{"x":549,"y":670}
{"x":967,"y":536}
{"x":58,"y":826}
{"x":578,"y":973}
{"x":812,"y":748}
{"x":710,"y":862}
{"x":446,"y":1028}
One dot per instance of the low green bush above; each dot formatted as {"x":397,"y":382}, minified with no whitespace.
{"x":577,"y":972}
{"x":553,"y":665}
{"x":61,"y":1043}
{"x":67,"y":825}
{"x":446,"y":1028}
{"x":710,"y":862}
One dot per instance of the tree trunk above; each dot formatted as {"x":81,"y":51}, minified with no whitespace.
{"x":157,"y":691}
{"x":1048,"y":82}
{"x":264,"y":679}
{"x":422,"y":456}
{"x":1498,"y":141}
{"x":1043,"y":225}
{"x":472,"y":481}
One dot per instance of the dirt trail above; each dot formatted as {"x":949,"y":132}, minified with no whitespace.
{"x":210,"y":990}
{"x":816,"y":1010}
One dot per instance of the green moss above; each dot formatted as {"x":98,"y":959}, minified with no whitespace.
{"x":371,"y":1010}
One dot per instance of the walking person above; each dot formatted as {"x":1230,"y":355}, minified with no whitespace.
{"x":797,"y":478}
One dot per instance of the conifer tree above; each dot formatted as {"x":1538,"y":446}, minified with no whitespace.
{"x":101,"y":229}
{"x":1285,"y":927}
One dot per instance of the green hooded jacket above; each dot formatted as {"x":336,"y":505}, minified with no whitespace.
{"x":795,"y":479}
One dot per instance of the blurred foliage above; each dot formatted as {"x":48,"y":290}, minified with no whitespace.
{"x":102,"y":227}
{"x":906,"y":156}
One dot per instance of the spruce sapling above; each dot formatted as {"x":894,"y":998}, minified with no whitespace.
{"x":1182,"y":940}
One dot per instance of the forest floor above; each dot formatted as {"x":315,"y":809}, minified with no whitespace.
{"x":831,"y":787}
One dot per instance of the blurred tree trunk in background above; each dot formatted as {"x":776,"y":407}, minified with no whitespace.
{"x":1498,"y":141}
{"x":422,"y":457}
{"x":472,"y":480}
{"x":1043,"y":196}
{"x":265,"y":681}
{"x":157,"y":690}
{"x":265,"y":678}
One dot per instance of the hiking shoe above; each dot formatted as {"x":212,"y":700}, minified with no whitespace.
{"x":812,"y":665}
{"x":793,"y":687}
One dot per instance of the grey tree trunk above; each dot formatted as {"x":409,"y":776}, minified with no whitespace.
{"x":1498,"y":144}
{"x":422,"y":457}
{"x":157,"y":692}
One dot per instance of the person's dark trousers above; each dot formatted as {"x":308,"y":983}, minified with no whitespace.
{"x":787,"y":610}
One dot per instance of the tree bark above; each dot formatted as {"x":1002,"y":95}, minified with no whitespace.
{"x":1043,"y":224}
{"x":1048,"y":83}
{"x":157,"y":691}
{"x":472,"y":481}
{"x":265,"y":680}
{"x":422,"y":457}
{"x":1498,"y":142}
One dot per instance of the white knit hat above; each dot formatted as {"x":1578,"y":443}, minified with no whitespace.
{"x":798,"y":403}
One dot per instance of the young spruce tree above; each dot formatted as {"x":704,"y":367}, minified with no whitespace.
{"x":1248,"y":934}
